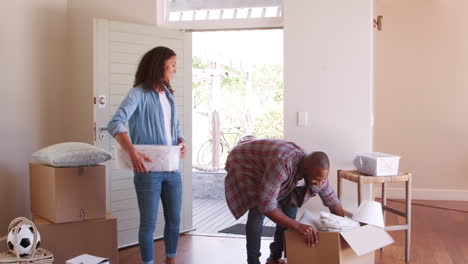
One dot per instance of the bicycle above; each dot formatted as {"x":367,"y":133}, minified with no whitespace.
{"x":205,"y":153}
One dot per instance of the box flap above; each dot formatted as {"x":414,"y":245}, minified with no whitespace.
{"x":367,"y":239}
{"x":87,"y":259}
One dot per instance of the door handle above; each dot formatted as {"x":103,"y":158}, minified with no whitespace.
{"x":102,"y":129}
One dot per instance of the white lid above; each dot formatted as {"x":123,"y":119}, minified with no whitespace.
{"x":378,"y":155}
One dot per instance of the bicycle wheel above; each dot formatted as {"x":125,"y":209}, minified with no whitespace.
{"x":205,"y":154}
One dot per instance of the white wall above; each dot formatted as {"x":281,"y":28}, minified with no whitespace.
{"x":47,"y":82}
{"x":421,"y":94}
{"x":328,"y":73}
{"x":34,"y":92}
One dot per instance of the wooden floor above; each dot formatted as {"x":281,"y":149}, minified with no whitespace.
{"x":210,"y":216}
{"x":439,"y":236}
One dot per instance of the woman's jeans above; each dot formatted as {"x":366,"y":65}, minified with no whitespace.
{"x":150,"y":187}
{"x":254,"y":230}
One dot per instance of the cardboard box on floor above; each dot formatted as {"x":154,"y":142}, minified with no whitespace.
{"x":356,"y":246}
{"x":68,"y":240}
{"x":64,"y":195}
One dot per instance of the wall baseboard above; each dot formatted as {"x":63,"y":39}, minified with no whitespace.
{"x":425,"y":194}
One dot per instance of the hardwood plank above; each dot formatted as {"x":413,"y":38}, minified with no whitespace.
{"x":199,"y":250}
{"x":228,"y":220}
{"x":208,"y":211}
{"x":219,"y":217}
{"x":203,"y":207}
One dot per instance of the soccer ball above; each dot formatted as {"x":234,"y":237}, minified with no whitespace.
{"x":25,"y":237}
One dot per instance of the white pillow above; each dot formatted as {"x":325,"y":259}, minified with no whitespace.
{"x":72,"y":154}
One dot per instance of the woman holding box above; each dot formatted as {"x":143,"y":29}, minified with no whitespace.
{"x":150,"y":111}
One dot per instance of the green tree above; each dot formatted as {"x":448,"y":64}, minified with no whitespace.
{"x":269,"y":125}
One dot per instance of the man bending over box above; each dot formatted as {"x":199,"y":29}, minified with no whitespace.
{"x":264,"y":177}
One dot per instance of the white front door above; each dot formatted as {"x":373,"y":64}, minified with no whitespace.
{"x":118,"y":48}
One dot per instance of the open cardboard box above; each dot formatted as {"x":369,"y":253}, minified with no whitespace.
{"x":356,"y":246}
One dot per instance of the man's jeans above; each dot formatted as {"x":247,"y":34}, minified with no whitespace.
{"x":254,"y":230}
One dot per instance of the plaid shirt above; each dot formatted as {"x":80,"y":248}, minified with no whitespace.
{"x":260,"y":173}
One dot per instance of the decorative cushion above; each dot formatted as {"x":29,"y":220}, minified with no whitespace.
{"x":72,"y":154}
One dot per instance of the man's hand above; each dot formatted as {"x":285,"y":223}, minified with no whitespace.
{"x":309,"y":233}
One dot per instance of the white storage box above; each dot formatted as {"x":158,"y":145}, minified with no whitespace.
{"x":164,"y":158}
{"x":378,"y":164}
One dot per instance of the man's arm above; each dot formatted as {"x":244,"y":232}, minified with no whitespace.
{"x":330,"y":199}
{"x":337,"y":209}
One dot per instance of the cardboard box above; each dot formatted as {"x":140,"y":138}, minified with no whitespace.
{"x":68,"y":240}
{"x":331,"y":249}
{"x":64,"y":195}
{"x":357,"y":245}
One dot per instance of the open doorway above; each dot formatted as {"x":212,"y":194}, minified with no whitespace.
{"x":237,"y":79}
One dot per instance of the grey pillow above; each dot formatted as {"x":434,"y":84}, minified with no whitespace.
{"x":72,"y":154}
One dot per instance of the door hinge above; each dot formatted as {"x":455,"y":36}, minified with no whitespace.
{"x":378,"y":23}
{"x":94,"y":129}
{"x":94,"y":99}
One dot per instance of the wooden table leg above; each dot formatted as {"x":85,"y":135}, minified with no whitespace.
{"x":359,"y":190}
{"x":384,"y":202}
{"x":339,"y":185}
{"x":384,"y":199}
{"x":408,"y":218}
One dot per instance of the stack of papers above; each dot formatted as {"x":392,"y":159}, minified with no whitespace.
{"x":87,"y":259}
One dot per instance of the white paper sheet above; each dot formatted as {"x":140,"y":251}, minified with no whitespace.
{"x":87,"y":259}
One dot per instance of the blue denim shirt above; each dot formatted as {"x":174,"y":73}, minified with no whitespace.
{"x":143,"y":112}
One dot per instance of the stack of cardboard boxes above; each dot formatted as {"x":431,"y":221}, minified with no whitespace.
{"x":69,"y":209}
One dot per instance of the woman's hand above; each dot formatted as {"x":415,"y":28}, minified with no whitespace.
{"x":309,"y":234}
{"x":183,"y":149}
{"x":138,"y":161}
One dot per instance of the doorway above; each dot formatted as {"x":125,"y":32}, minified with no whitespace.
{"x":237,"y":93}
